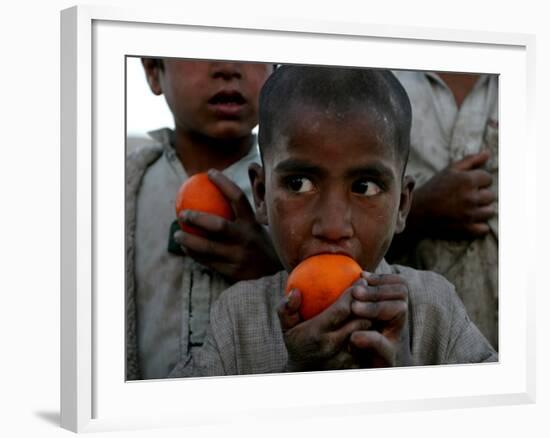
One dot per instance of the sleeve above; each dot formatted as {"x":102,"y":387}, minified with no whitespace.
{"x":217,"y":355}
{"x":466,"y":343}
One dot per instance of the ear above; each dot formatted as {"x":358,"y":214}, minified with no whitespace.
{"x":153,"y":67}
{"x":405,"y":202}
{"x":257,"y":182}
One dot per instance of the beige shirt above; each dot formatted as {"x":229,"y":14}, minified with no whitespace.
{"x":442,"y":133}
{"x":245,"y":335}
{"x":173,"y":293}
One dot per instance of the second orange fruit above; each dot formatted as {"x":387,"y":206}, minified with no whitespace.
{"x":322,"y":279}
{"x":200,"y":194}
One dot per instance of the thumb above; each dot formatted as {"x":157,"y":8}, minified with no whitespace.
{"x":472,"y":161}
{"x":239,"y":202}
{"x":288,"y":310}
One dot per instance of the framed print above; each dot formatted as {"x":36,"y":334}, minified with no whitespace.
{"x":95,"y":44}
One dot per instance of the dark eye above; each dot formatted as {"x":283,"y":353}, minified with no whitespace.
{"x":365,"y":187}
{"x":299,"y":184}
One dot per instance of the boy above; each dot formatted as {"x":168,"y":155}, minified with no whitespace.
{"x":168,"y":296}
{"x":334,"y":146}
{"x":452,"y":228}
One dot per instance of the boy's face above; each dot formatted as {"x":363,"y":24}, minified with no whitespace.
{"x":332,"y":185}
{"x":218,"y":100}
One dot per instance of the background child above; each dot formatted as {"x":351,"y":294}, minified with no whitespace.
{"x":334,"y":146}
{"x":168,"y":296}
{"x":453,"y":223}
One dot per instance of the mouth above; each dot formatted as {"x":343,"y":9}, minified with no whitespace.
{"x":227,"y":103}
{"x":322,"y":251}
{"x":330,"y":251}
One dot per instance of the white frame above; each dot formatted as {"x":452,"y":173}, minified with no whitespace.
{"x":81,"y":370}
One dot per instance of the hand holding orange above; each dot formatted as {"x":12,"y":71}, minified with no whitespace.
{"x":322,"y":279}
{"x":200,"y":194}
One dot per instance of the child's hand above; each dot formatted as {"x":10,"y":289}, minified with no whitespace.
{"x":321,"y":343}
{"x":385,"y":303}
{"x":456,"y":202}
{"x":240,"y":249}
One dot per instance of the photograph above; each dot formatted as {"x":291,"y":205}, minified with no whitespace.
{"x":305,"y":218}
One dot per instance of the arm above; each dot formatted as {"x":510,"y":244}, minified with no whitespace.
{"x":466,"y":343}
{"x":230,"y":246}
{"x":456,"y":203}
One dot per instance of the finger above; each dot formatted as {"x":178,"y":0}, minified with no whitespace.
{"x":343,"y":360}
{"x":383,"y":292}
{"x":288,"y":310}
{"x":477,"y":230}
{"x":344,"y":332}
{"x":376,"y":343}
{"x":200,"y":247}
{"x":338,"y":340}
{"x":360,"y":283}
{"x":485,"y":197}
{"x":336,"y":314}
{"x":237,"y":198}
{"x":480,"y":178}
{"x":380,"y":310}
{"x":482,"y":214}
{"x":366,"y":274}
{"x":379,"y":279}
{"x":212,"y":224}
{"x":472,"y":161}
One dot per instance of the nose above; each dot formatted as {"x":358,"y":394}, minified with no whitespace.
{"x":333,"y":216}
{"x":226,"y":70}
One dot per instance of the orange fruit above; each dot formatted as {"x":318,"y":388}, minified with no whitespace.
{"x":322,"y":279}
{"x":201,"y":194}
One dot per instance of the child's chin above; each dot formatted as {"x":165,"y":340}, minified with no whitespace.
{"x":230,"y":130}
